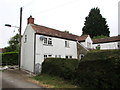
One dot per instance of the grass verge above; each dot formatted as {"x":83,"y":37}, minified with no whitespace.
{"x":52,"y":82}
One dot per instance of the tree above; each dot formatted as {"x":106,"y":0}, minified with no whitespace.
{"x":98,"y":37}
{"x":95,"y":24}
{"x":13,"y":44}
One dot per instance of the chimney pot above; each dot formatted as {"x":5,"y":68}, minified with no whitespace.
{"x":30,"y":20}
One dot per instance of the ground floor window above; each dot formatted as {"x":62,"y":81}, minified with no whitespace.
{"x":47,"y":56}
{"x":68,"y":56}
{"x":118,"y":45}
{"x":57,"y":56}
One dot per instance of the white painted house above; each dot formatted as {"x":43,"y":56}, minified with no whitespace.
{"x":40,"y":42}
{"x":107,"y":43}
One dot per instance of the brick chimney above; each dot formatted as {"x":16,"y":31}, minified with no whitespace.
{"x":30,"y":20}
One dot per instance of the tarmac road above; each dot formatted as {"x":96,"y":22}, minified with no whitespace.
{"x":17,"y":79}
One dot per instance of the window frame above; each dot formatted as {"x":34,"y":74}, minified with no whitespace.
{"x":67,"y":44}
{"x":47,"y":41}
{"x":25,"y":39}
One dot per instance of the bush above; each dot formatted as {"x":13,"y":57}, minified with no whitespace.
{"x":102,"y":71}
{"x":64,"y":68}
{"x":10,"y":58}
{"x":100,"y":55}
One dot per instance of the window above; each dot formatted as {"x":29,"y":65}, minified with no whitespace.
{"x":68,"y":57}
{"x":45,"y":56}
{"x":49,"y":55}
{"x":47,"y":41}
{"x":25,"y":39}
{"x":57,"y":56}
{"x":88,"y":45}
{"x":118,"y":45}
{"x":81,"y":56}
{"x":66,"y":43}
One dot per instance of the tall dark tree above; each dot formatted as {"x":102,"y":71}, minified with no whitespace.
{"x":13,"y":44}
{"x":95,"y":24}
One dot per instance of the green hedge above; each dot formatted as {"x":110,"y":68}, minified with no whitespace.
{"x":98,"y":69}
{"x":101,"y":55}
{"x":64,"y":68}
{"x":101,"y":70}
{"x":10,"y":58}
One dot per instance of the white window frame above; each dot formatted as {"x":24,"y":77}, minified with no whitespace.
{"x":47,"y":41}
{"x":67,"y":43}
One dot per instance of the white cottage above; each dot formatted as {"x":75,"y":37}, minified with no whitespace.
{"x":40,"y":42}
{"x":107,"y":43}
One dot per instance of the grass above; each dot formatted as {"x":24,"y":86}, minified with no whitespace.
{"x":53,"y":82}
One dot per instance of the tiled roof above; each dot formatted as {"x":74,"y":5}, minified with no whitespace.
{"x":82,"y":38}
{"x":105,"y":40}
{"x":56,"y":33}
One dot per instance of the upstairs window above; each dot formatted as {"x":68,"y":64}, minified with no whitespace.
{"x":47,"y":41}
{"x":66,"y":43}
{"x":88,"y":45}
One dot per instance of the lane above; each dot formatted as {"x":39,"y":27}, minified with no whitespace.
{"x":16,"y":80}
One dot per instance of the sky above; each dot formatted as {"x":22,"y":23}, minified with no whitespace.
{"x":58,"y":14}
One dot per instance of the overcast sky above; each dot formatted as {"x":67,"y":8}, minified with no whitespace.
{"x":58,"y":14}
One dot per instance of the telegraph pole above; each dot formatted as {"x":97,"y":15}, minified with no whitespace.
{"x":20,"y":29}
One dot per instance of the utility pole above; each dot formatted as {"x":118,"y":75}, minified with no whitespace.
{"x":20,"y":29}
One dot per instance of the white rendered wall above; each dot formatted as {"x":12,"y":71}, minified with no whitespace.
{"x":27,"y":50}
{"x":57,"y":48}
{"x":110,"y":45}
{"x":88,"y":39}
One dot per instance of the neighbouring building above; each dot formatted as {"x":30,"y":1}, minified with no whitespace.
{"x":2,"y":50}
{"x":107,"y":43}
{"x":40,"y":42}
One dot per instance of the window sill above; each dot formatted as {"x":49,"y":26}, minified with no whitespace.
{"x":47,"y":45}
{"x":67,"y":47}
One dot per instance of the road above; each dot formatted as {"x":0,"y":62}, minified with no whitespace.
{"x":17,"y":79}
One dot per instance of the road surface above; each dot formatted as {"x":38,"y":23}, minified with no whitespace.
{"x":16,"y":79}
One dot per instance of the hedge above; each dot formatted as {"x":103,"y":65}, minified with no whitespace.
{"x":10,"y":58}
{"x":101,"y":55}
{"x":64,"y":68}
{"x":102,"y":71}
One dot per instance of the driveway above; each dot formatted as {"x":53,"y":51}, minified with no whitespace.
{"x":17,"y":79}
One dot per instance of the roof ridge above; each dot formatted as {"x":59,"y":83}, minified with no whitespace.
{"x":40,"y":29}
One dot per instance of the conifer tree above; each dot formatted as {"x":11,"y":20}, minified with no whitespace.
{"x":95,"y":24}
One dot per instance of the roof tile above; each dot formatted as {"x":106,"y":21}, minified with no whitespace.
{"x":56,"y":33}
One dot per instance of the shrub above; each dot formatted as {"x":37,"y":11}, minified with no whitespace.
{"x":101,"y":70}
{"x":64,"y":68}
{"x":10,"y":58}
